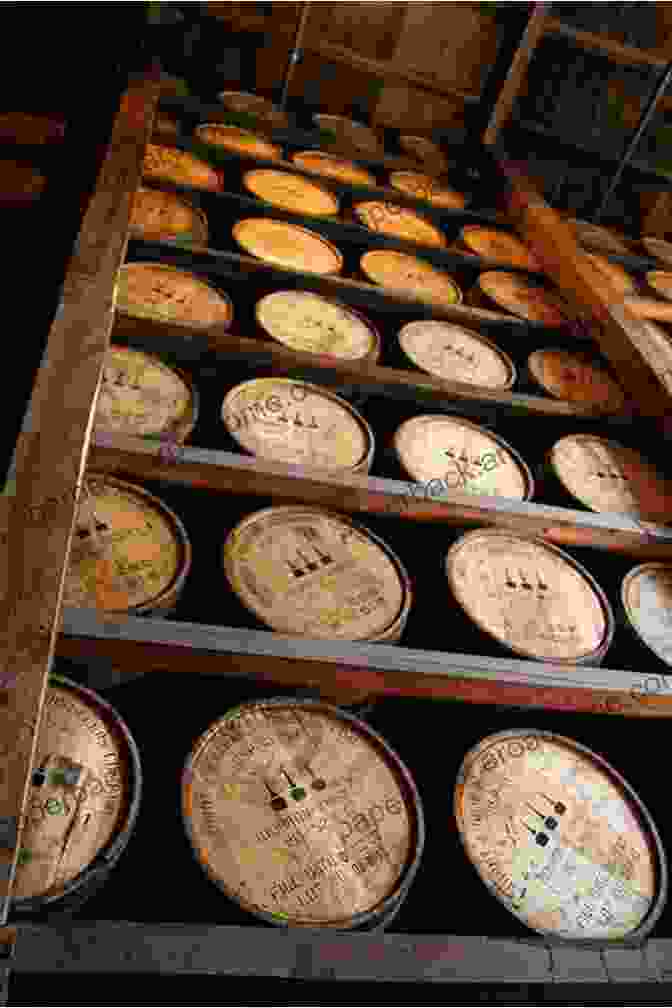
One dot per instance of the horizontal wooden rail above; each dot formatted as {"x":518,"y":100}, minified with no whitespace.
{"x":137,"y":646}
{"x":379,"y":380}
{"x":227,"y":472}
{"x":626,"y":55}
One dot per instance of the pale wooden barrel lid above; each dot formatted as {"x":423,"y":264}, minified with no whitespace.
{"x":236,"y":139}
{"x":531,"y":597}
{"x":457,"y":354}
{"x":606,"y":476}
{"x":141,"y":395}
{"x":661,"y":282}
{"x":463,"y":456}
{"x":390,"y":219}
{"x":307,"y":572}
{"x":646,"y":594}
{"x":299,"y":813}
{"x":333,"y":167}
{"x":614,"y":274}
{"x":424,"y":150}
{"x":291,"y":192}
{"x":79,"y":802}
{"x":157,"y":291}
{"x":309,"y":322}
{"x":659,"y":249}
{"x":127,"y":550}
{"x":265,"y":110}
{"x":408,"y":274}
{"x":287,"y":245}
{"x":355,"y":133}
{"x":598,"y":238}
{"x":557,"y":836}
{"x":173,"y":165}
{"x":498,"y":246}
{"x":655,"y":345}
{"x":570,"y":377}
{"x":427,"y":188}
{"x":294,"y":422}
{"x":156,"y":214}
{"x":513,"y":294}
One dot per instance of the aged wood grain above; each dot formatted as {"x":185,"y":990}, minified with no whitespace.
{"x":376,"y":669}
{"x":618,"y":330}
{"x":39,"y":514}
{"x":501,"y":113}
{"x":381,"y":380}
{"x":227,"y":472}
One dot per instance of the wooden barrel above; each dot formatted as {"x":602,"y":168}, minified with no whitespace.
{"x":308,"y":322}
{"x":454,"y":353}
{"x":575,"y":377}
{"x":157,"y":216}
{"x":353,"y":134}
{"x":448,"y":453}
{"x":307,"y":572}
{"x":162,"y":292}
{"x":646,"y":598}
{"x":165,"y":130}
{"x":424,"y":150}
{"x":141,"y":395}
{"x":291,"y":192}
{"x":533,"y":599}
{"x":287,"y":245}
{"x":398,"y":222}
{"x":82,"y":805}
{"x":655,"y":345}
{"x":296,"y":423}
{"x":598,"y":238}
{"x":265,"y":111}
{"x":320,"y":163}
{"x":659,"y":249}
{"x":410,"y":276}
{"x":169,"y":164}
{"x":425,"y":187}
{"x":303,"y":815}
{"x":660,"y":282}
{"x":611,"y":273}
{"x":498,"y":291}
{"x":559,"y":838}
{"x":495,"y":246}
{"x":130,"y":554}
{"x":606,"y":476}
{"x":240,"y":141}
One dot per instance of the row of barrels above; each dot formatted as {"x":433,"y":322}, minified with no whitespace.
{"x":303,"y":815}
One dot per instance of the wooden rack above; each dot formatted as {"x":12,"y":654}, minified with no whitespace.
{"x":38,"y":519}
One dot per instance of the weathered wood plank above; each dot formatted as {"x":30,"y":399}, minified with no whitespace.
{"x":617,"y":329}
{"x":38,"y":511}
{"x":380,"y":380}
{"x":227,"y":472}
{"x":376,"y":669}
{"x":536,"y":28}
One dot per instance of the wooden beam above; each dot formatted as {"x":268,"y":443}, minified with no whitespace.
{"x":501,"y":113}
{"x":38,"y":511}
{"x":626,"y":55}
{"x":376,"y":669}
{"x":617,"y":329}
{"x":227,"y":472}
{"x":379,"y":380}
